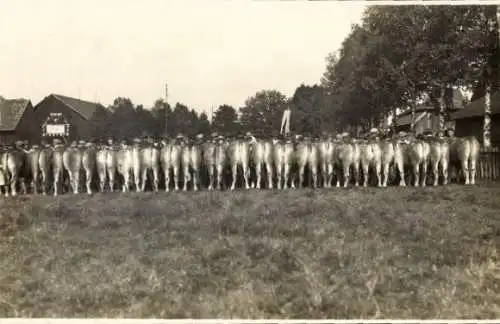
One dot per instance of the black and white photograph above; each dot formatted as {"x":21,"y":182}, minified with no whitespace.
{"x":257,"y":160}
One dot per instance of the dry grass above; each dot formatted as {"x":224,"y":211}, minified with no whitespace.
{"x":356,"y":253}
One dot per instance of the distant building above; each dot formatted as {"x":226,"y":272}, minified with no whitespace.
{"x":427,"y":115}
{"x":469,"y":121}
{"x":426,"y":119}
{"x":59,"y":115}
{"x":16,"y":121}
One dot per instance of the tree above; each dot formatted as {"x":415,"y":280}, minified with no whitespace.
{"x":158,"y":112}
{"x":262,"y":113}
{"x":396,"y":56}
{"x":180,"y":120}
{"x":204,"y":126}
{"x":124,"y":114}
{"x":225,"y":120}
{"x":309,"y":114}
{"x":102,"y":124}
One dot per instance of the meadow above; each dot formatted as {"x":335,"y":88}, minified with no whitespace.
{"x":324,"y":253}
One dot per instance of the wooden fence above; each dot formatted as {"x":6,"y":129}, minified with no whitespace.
{"x":488,"y":167}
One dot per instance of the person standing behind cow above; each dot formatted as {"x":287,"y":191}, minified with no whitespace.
{"x":285,"y":121}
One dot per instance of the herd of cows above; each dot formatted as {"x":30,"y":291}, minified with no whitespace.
{"x":218,"y":162}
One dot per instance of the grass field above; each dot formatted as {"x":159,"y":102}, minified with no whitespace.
{"x":369,"y":253}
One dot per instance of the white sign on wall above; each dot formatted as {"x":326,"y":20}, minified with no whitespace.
{"x":56,"y":129}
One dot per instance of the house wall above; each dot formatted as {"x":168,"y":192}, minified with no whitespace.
{"x":25,"y":129}
{"x":8,"y":137}
{"x":79,"y":127}
{"x":474,"y":127}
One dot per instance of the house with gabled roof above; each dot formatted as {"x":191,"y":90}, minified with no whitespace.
{"x":469,"y":121}
{"x":17,"y":119}
{"x":71,"y":118}
{"x":427,"y":114}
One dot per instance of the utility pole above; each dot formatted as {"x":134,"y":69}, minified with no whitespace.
{"x":166,"y":106}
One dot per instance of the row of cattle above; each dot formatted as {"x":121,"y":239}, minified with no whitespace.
{"x":202,"y":162}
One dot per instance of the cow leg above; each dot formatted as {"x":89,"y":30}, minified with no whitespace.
{"x":137,"y":179}
{"x":366,"y":168}
{"x":385,"y":171}
{"x":126,"y":181}
{"x":111,"y":179}
{"x":144,"y":177}
{"x":416,"y":174}
{"x":196,"y":178}
{"x":356,"y":170}
{"x":186,"y":177}
{"x":314,"y":174}
{"x":378,"y":173}
{"x":234,"y":169}
{"x":211,"y":172}
{"x":76,"y":184}
{"x":166,"y":170}
{"x":56,"y":182}
{"x":269,"y":171}
{"x":346,"y":172}
{"x":435,"y":172}
{"x":288,"y":177}
{"x":302,"y":170}
{"x":279,"y":173}
{"x":34,"y":182}
{"x":424,"y":173}
{"x":218,"y":183}
{"x":329,"y":175}
{"x":246,"y":174}
{"x":13,"y":183}
{"x":44,"y":182}
{"x":101,"y":172}
{"x":465,"y":170}
{"x":258,"y":174}
{"x":88,"y":181}
{"x":175,"y":170}
{"x":156,"y":178}
{"x":444,"y":167}
{"x":472,"y":177}
{"x":398,"y":162}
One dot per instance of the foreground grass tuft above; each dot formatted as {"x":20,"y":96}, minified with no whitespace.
{"x":370,"y":253}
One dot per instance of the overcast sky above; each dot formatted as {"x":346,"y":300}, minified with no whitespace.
{"x":209,"y":52}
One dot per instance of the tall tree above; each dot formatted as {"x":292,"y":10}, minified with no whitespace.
{"x":308,"y":110}
{"x":396,"y":56}
{"x":204,"y":126}
{"x":225,"y":120}
{"x":262,"y":113}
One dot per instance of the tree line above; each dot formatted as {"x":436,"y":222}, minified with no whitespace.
{"x":396,"y":57}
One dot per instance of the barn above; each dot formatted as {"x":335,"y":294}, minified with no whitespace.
{"x":427,"y":116}
{"x":17,"y":118}
{"x":469,"y":121}
{"x":426,"y":119}
{"x":72,"y":118}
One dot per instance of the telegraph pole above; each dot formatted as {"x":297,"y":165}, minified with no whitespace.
{"x":166,"y":106}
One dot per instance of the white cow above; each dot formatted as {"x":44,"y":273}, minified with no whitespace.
{"x":284,"y":155}
{"x":307,"y":154}
{"x":262,"y":154}
{"x":239,"y":155}
{"x":465,"y":152}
